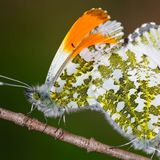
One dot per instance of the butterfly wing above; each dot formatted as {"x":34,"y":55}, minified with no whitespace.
{"x":124,"y":83}
{"x":146,"y":39}
{"x":93,"y":27}
{"x":70,"y":88}
{"x":129,"y":91}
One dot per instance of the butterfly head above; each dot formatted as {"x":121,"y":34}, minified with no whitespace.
{"x":33,"y":95}
{"x":40,"y":98}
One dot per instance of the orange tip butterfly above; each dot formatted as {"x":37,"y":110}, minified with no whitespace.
{"x":95,"y":68}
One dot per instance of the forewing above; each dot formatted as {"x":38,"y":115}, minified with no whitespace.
{"x":88,"y":30}
{"x":72,"y":85}
{"x":79,"y":30}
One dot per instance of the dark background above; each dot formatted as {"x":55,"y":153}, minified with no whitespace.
{"x":30,"y":33}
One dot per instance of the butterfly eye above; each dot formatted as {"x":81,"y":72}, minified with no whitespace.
{"x":36,"y":96}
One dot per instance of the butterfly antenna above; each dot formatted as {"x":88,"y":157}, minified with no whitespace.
{"x":33,"y":107}
{"x":13,"y":85}
{"x":15,"y":80}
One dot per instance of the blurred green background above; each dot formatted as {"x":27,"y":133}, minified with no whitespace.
{"x":30,"y":33}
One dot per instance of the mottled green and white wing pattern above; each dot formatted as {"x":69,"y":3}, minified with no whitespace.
{"x":124,"y":83}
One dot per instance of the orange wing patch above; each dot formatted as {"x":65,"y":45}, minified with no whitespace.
{"x":82,"y":27}
{"x":92,"y":39}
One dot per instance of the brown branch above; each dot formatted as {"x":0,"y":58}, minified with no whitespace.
{"x":91,"y":145}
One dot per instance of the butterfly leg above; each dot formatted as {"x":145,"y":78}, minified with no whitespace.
{"x":153,"y":154}
{"x":33,"y":107}
{"x":59,"y":132}
{"x":62,"y":118}
{"x":125,"y":144}
{"x":59,"y":121}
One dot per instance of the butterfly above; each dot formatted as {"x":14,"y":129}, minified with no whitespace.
{"x":96,"y":68}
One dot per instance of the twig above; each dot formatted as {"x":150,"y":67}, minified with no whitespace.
{"x":90,"y":145}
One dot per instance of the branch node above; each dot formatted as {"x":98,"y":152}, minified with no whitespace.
{"x":92,"y":145}
{"x":59,"y":133}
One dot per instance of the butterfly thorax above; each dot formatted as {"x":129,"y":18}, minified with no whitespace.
{"x":40,"y":97}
